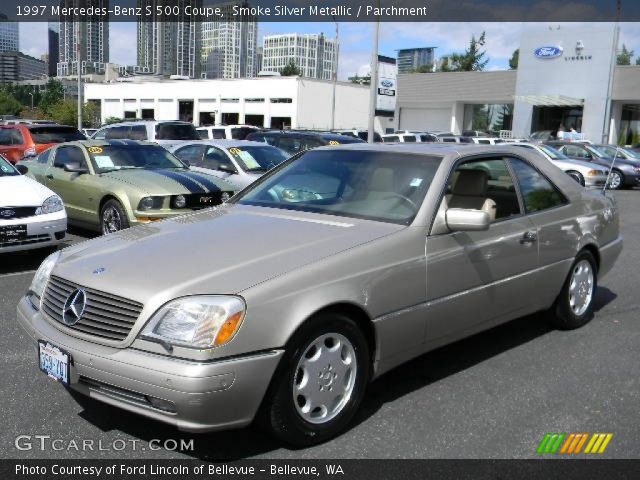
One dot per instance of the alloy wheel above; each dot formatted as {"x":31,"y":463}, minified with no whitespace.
{"x":581,"y":287}
{"x":111,"y":221}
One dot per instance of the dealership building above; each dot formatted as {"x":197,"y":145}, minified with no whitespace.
{"x":566,"y":76}
{"x":271,"y":102}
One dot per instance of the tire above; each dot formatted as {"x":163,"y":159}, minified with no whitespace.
{"x":577,"y":176}
{"x":113,"y":218}
{"x":616,"y":180}
{"x":327,"y":360}
{"x":574,"y":306}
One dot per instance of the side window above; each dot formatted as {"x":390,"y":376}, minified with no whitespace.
{"x":214,"y":158}
{"x":203,"y":133}
{"x":192,"y":154}
{"x":101,"y":134}
{"x":44,"y":156}
{"x":115,"y":133}
{"x":68,"y":155}
{"x":218,"y":133}
{"x":538,"y":193}
{"x":138,"y":132}
{"x":10,"y":136}
{"x":575,"y":151}
{"x":475,"y":182}
{"x":290,"y":144}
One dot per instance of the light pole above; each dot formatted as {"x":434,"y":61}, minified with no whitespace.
{"x":31,"y":95}
{"x":78,"y":51}
{"x":335,"y":75}
{"x":373,"y":87}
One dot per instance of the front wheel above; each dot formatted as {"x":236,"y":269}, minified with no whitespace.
{"x":320,"y":383}
{"x":113,"y":218}
{"x":574,"y":306}
{"x":577,"y":176}
{"x":616,"y":180}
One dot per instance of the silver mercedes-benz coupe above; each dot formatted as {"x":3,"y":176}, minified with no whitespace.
{"x":333,"y":268}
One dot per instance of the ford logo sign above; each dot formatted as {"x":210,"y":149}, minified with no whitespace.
{"x":386,"y":83}
{"x":549,"y":51}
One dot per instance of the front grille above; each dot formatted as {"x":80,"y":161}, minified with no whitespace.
{"x":29,"y":240}
{"x":197,"y":201}
{"x":106,"y":316}
{"x":10,"y":213}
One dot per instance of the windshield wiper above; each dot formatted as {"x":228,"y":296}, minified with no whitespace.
{"x":257,"y":169}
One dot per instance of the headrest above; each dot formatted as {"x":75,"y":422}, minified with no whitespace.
{"x":471,"y":183}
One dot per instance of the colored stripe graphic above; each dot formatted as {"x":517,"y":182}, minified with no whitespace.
{"x":573,"y":443}
{"x":201,"y":179}
{"x":187,"y":183}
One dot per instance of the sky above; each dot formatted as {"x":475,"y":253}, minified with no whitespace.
{"x":355,"y":39}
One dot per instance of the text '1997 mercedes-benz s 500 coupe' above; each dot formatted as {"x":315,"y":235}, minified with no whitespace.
{"x":333,"y":268}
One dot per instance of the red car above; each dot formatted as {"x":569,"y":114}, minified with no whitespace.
{"x":21,"y":141}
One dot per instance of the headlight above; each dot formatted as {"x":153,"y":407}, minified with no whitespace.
{"x":636,"y":169}
{"x":197,"y":322}
{"x":179,"y":201}
{"x":594,"y":173}
{"x":146,"y":203}
{"x":50,"y":205}
{"x":225,"y":197}
{"x":42,"y":275}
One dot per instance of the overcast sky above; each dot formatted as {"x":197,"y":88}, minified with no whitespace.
{"x":355,"y":39}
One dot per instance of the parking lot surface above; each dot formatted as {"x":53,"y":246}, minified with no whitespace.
{"x":494,"y":395}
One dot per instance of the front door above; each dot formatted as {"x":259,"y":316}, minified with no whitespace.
{"x":476,"y":279}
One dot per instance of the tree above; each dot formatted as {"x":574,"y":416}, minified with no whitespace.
{"x":66,"y":113}
{"x":426,"y":68}
{"x":624,"y":57}
{"x":53,"y":95}
{"x":110,"y":120}
{"x":8,"y":104}
{"x":290,"y":69}
{"x":473,"y":58}
{"x":638,"y":61}
{"x":513,"y":61}
{"x":366,"y":80}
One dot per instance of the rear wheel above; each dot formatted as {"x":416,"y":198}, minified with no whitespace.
{"x":113,"y":218}
{"x":616,"y":180}
{"x":320,"y":383}
{"x":574,"y":306}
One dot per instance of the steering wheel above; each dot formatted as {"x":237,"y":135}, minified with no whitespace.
{"x":411,"y":203}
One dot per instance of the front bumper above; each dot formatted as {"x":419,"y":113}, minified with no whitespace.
{"x":631,"y":179}
{"x":206,"y":396}
{"x":595,"y":181}
{"x":42,"y":231}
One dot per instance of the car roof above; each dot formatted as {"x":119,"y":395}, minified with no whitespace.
{"x":106,"y":143}
{"x":145,"y":122}
{"x":223,"y":143}
{"x":325,"y":135}
{"x":426,"y":148}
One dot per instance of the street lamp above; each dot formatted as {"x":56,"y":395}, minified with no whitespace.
{"x":31,"y":95}
{"x":373,"y":87}
{"x":335,"y":74}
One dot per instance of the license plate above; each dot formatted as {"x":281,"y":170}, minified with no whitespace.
{"x":54,"y":361}
{"x":13,"y":233}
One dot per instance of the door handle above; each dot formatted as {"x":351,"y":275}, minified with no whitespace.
{"x":49,"y":176}
{"x":529,"y":237}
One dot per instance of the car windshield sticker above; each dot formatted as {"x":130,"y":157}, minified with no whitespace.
{"x":248,"y":159}
{"x":95,"y":150}
{"x":416,"y":182}
{"x":103,"y":161}
{"x":334,"y":142}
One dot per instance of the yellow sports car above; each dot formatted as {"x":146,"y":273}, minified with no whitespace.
{"x":114,"y":184}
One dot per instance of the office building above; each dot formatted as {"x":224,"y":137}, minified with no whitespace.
{"x":9,"y":35}
{"x":410,"y":59}
{"x":229,"y":44}
{"x":313,"y":53}
{"x":53,"y":56}
{"x":15,"y":66}
{"x":169,"y":45}
{"x":90,"y":38}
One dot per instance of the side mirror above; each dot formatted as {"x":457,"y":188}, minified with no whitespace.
{"x":75,"y":168}
{"x":225,"y":167}
{"x":464,"y":220}
{"x":22,"y":169}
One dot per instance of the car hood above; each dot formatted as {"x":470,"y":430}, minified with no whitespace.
{"x":223,"y":250}
{"x":168,"y":181}
{"x":21,"y":191}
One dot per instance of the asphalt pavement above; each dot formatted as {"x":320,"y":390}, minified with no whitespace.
{"x":494,"y":395}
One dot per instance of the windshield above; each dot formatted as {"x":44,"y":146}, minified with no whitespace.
{"x":382,"y":186}
{"x":55,"y":134}
{"x":553,"y":153}
{"x":241,"y":133}
{"x":6,"y":169}
{"x":109,"y":158}
{"x":176,"y":131}
{"x":631,"y":153}
{"x":596,"y":151}
{"x":257,"y":159}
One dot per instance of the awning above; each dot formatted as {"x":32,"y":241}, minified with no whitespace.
{"x":551,"y":100}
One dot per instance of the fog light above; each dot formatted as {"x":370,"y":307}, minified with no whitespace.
{"x":160,"y":404}
{"x":179,"y":201}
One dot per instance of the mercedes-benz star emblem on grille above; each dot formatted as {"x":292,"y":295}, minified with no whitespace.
{"x":74,"y":307}
{"x":7,"y":213}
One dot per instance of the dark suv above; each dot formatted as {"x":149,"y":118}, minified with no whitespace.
{"x":293,"y":142}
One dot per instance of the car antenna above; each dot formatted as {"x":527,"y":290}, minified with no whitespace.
{"x":613,"y":162}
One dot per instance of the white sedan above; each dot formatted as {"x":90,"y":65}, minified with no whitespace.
{"x":31,"y":215}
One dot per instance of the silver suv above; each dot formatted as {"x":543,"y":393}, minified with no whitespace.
{"x":163,"y":132}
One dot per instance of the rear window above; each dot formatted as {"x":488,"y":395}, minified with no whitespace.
{"x":410,"y":138}
{"x":176,"y":131}
{"x":10,"y":136}
{"x":50,"y":134}
{"x":391,"y":138}
{"x":241,"y":132}
{"x":219,"y":133}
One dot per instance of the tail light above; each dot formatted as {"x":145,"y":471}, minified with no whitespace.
{"x":29,"y":152}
